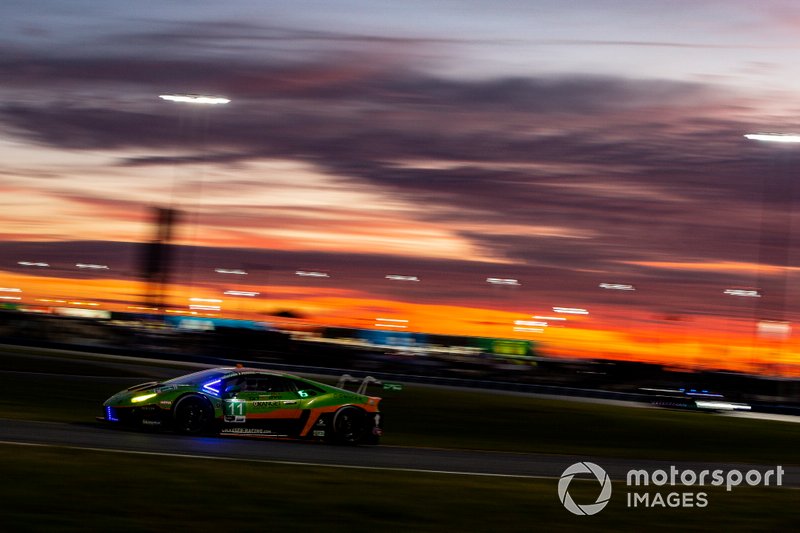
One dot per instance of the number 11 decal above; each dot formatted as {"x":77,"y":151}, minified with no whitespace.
{"x":234,"y":408}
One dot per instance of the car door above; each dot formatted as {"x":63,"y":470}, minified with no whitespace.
{"x":262,"y":404}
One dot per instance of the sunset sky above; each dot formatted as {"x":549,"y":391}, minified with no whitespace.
{"x":560,"y":144}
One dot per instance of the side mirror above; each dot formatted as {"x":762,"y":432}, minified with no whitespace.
{"x":232,"y":390}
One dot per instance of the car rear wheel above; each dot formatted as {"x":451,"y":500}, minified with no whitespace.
{"x":348,"y":425}
{"x":192,"y":415}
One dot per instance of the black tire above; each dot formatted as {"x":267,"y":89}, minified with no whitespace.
{"x":192,"y":415}
{"x":349,"y":424}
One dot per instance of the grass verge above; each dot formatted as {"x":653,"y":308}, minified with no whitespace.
{"x":53,"y":489}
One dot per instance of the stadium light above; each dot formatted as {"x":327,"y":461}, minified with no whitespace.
{"x":398,"y":277}
{"x":194,"y":99}
{"x":236,"y":271}
{"x":617,"y":287}
{"x":503,"y":281}
{"x":242,"y":293}
{"x":749,"y":293}
{"x":571,"y":310}
{"x":92,"y":266}
{"x":312,"y":274}
{"x":774,"y":137}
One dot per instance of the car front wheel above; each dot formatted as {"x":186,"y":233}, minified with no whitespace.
{"x":192,"y":415}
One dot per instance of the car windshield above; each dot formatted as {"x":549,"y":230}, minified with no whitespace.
{"x":198,"y":377}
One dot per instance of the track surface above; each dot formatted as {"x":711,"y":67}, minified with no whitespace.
{"x":91,"y":435}
{"x":97,"y":436}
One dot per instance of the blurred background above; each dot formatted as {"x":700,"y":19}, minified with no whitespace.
{"x":546,"y":193}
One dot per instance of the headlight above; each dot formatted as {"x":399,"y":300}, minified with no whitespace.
{"x":143,"y":397}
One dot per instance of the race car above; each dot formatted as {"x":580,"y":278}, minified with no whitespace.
{"x":249,"y":402}
{"x":692,"y":399}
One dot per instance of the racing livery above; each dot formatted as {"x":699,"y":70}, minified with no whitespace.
{"x":249,"y":401}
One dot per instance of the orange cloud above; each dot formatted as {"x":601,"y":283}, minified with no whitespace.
{"x":720,"y":266}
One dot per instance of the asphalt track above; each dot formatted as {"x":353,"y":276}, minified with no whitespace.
{"x":90,"y":436}
{"x":97,"y":436}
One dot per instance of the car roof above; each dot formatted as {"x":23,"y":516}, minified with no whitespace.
{"x":241,"y":370}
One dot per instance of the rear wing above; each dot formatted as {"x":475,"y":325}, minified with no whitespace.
{"x":363,"y":383}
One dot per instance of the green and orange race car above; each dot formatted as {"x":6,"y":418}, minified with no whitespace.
{"x":250,"y":402}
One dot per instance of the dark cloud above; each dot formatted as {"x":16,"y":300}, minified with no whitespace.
{"x":233,"y":35}
{"x":645,"y":170}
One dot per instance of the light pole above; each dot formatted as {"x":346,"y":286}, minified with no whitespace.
{"x":774,"y":245}
{"x":191,"y":99}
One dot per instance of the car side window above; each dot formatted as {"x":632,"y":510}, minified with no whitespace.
{"x":265,"y":383}
{"x":307,"y":390}
{"x":234,"y":385}
{"x":280,"y":384}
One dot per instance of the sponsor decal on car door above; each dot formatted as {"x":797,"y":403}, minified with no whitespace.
{"x":265,"y":406}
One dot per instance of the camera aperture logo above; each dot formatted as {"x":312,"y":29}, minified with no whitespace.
{"x":638,"y":481}
{"x":584,"y":468}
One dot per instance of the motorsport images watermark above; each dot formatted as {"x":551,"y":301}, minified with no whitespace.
{"x":584,"y":468}
{"x":642,"y":497}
